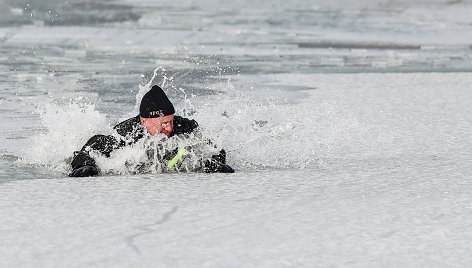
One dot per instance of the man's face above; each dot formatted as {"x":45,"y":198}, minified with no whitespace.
{"x":163,"y":124}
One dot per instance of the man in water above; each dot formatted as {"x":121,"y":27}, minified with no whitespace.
{"x":156,"y":115}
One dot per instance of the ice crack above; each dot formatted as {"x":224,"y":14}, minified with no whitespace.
{"x":147,"y":229}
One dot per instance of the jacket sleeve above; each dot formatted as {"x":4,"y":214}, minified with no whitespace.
{"x":98,"y":143}
{"x":183,"y":125}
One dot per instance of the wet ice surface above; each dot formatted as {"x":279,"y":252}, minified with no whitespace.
{"x":348,"y":125}
{"x":353,"y":216}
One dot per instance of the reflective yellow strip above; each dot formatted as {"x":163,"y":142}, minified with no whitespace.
{"x":176,"y":158}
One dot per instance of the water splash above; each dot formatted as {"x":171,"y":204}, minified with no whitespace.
{"x":145,"y":87}
{"x":152,"y":153}
{"x":67,"y":126}
{"x":258,"y":131}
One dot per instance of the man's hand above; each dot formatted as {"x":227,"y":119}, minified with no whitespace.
{"x":217,"y":163}
{"x":213,"y":166}
{"x":224,"y":169}
{"x":85,"y":171}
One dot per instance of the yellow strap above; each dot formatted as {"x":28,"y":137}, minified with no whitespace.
{"x":176,"y":158}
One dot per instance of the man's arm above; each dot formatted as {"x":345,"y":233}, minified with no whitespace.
{"x":83,"y":165}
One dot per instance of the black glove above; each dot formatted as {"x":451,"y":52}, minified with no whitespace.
{"x":85,"y":171}
{"x":224,"y":169}
{"x":213,"y":166}
{"x":217,"y":163}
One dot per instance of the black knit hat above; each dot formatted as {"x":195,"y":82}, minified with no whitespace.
{"x":155,"y":104}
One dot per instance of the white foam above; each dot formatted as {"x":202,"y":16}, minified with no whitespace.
{"x":67,"y":127}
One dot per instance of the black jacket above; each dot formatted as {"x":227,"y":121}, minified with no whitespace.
{"x":131,"y":130}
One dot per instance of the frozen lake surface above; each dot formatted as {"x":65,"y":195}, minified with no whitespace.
{"x":348,"y":125}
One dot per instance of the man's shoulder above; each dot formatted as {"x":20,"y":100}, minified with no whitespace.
{"x":183,"y":125}
{"x":127,"y":126}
